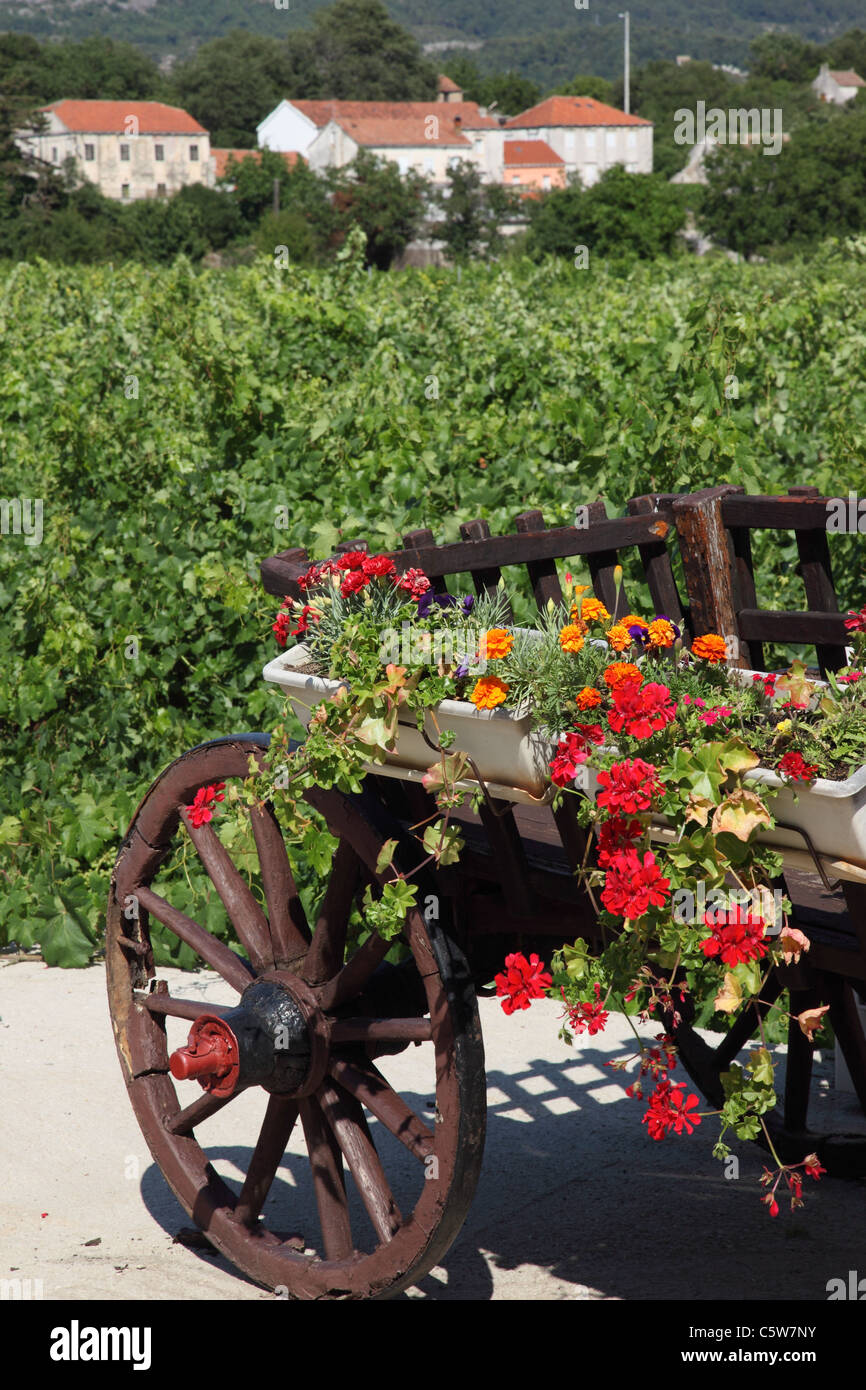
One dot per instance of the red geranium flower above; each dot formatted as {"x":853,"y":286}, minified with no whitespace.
{"x":669,"y":1109}
{"x":736,"y":935}
{"x":281,"y":627}
{"x":641,"y":710}
{"x":414,"y":581}
{"x":200,"y":812}
{"x":856,"y":622}
{"x":615,"y":834}
{"x":573,"y":750}
{"x":629,"y":786}
{"x":632,"y":886}
{"x":585,"y":1015}
{"x":793,"y":766}
{"x":522,"y":981}
{"x":352,"y":560}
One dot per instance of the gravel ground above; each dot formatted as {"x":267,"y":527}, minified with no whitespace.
{"x":571,"y":1190}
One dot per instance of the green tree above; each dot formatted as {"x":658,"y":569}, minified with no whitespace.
{"x":389,"y":207}
{"x":474,"y":213}
{"x":216,"y":214}
{"x":356,"y":52}
{"x":785,"y":57}
{"x":586,"y":86}
{"x":622,"y":214}
{"x":232,"y":83}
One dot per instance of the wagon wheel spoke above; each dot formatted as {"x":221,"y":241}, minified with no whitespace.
{"x":325,"y":956}
{"x":179,"y":1008}
{"x":290,"y":934}
{"x":185,"y":1121}
{"x":326,"y":1162}
{"x":346,"y":1118}
{"x":349,"y":982}
{"x":345,"y":1030}
{"x":233,"y":968}
{"x":274,"y":1135}
{"x":367,"y":1084}
{"x":245,"y":915}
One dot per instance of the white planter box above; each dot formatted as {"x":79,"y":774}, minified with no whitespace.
{"x":513,"y":759}
{"x":511,"y":756}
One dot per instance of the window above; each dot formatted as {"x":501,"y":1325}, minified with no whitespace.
{"x":193,"y":152}
{"x":53,"y":154}
{"x":124,"y":191}
{"x":632,"y":139}
{"x":89,"y":151}
{"x":159,"y":152}
{"x":428,"y":164}
{"x":515,"y":178}
{"x":160,"y":190}
{"x":590,"y":139}
{"x":569,"y":140}
{"x":545,"y":182}
{"x":611,"y":139}
{"x":124,"y":152}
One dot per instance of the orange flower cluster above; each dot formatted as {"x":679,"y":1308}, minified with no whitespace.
{"x":498,"y":643}
{"x":488,"y":692}
{"x":571,"y":638}
{"x":710,"y":648}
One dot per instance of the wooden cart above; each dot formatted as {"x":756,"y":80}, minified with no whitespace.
{"x":317,"y":1023}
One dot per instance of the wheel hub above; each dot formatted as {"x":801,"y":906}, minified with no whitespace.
{"x":268,"y":1041}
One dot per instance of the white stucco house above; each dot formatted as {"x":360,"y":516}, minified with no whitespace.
{"x":836,"y":86}
{"x":418,"y":135}
{"x":129,"y":149}
{"x":588,"y":135}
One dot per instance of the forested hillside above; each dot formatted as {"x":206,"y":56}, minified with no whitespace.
{"x":544,"y":39}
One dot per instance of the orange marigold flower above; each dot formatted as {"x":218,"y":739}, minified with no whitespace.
{"x":619,"y":637}
{"x":710,"y":648}
{"x":661,"y":633}
{"x":591,"y":610}
{"x":489,"y":692}
{"x":571,"y":638}
{"x":588,"y":698}
{"x":632,"y":620}
{"x":620,"y":671}
{"x":498,"y":642}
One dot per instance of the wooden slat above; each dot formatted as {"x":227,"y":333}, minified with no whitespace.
{"x":776,"y":625}
{"x":280,"y":572}
{"x":656,"y":559}
{"x":795,"y":513}
{"x":602,"y":564}
{"x":817,"y":575}
{"x":707,"y":562}
{"x":745,"y":594}
{"x":542,"y":573}
{"x":485,"y":580}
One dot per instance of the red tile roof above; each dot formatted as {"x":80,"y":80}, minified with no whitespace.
{"x":222,"y":157}
{"x":571,"y":111}
{"x":530,"y":152}
{"x":398,"y":122}
{"x":112,"y":117}
{"x":848,"y":79}
{"x":445,"y":84}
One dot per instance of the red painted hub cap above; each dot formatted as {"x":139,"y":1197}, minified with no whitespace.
{"x":211,"y":1056}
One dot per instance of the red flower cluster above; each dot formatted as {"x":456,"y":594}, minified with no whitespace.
{"x":629,"y":786}
{"x":856,"y":622}
{"x":658,"y":1061}
{"x":572,"y":751}
{"x":414,"y":581}
{"x":201,"y":810}
{"x":281,"y":627}
{"x":616,"y":834}
{"x":641,"y":711}
{"x":586,"y":1015}
{"x":632,"y":886}
{"x":669,"y":1109}
{"x":714,"y":714}
{"x":358,"y":569}
{"x":793,"y":766}
{"x":522,"y":981}
{"x":851,"y":679}
{"x":768,"y":682}
{"x":736,"y":935}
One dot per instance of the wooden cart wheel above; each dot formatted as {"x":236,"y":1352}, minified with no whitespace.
{"x":843,"y":1155}
{"x":313,"y":1020}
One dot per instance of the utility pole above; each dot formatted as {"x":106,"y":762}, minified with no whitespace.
{"x":626,"y":103}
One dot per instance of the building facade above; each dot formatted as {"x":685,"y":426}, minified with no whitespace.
{"x":128,"y":149}
{"x":589,"y":136}
{"x":837,"y":87}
